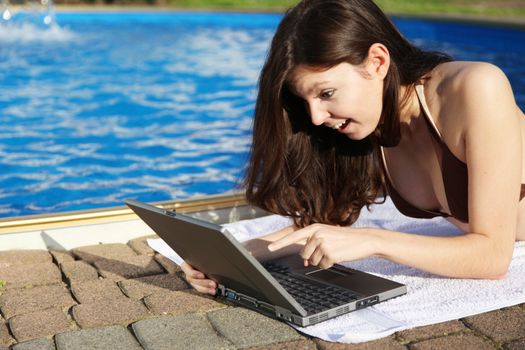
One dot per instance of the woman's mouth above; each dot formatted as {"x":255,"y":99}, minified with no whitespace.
{"x":341,"y":126}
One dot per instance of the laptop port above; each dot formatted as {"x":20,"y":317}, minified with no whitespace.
{"x":248,"y":300}
{"x":231,"y":295}
{"x":367,"y":302}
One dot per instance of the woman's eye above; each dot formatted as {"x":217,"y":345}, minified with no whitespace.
{"x":326,"y":94}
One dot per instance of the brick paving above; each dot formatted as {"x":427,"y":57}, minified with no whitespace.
{"x":60,"y":256}
{"x":38,"y":324}
{"x":40,"y":274}
{"x":139,"y":288}
{"x":97,"y":290}
{"x":113,"y":311}
{"x":125,"y":296}
{"x":112,"y":337}
{"x":15,"y":302}
{"x":131,"y":267}
{"x":37,"y":344}
{"x":180,"y":303}
{"x":78,"y":271}
{"x":5,"y":337}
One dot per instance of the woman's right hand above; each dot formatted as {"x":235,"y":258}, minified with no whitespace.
{"x":198,"y":281}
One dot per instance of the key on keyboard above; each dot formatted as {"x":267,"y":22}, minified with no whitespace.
{"x":314,"y":297}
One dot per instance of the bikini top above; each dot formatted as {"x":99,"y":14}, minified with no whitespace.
{"x":453,"y":171}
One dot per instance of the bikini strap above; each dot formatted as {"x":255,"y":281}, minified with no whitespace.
{"x":385,"y":167}
{"x":420,"y":92}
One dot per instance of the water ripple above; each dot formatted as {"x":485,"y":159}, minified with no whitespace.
{"x":150,"y":106}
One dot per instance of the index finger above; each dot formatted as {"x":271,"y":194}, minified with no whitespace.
{"x":294,"y":237}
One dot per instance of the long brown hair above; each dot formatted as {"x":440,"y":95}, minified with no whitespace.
{"x":315,"y":174}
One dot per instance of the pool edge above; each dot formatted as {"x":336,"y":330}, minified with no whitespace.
{"x":113,"y":214}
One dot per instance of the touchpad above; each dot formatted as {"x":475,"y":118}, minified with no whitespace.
{"x":330,"y":276}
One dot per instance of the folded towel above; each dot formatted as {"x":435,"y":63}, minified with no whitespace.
{"x":430,"y":299}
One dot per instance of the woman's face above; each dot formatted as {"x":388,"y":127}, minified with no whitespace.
{"x":345,"y":97}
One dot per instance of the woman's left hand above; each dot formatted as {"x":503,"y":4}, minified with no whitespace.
{"x":327,"y":245}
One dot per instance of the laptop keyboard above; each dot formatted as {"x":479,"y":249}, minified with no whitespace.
{"x":313,"y":297}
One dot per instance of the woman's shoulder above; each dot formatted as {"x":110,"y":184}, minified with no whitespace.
{"x":467,"y":78}
{"x":459,"y":94}
{"x":459,"y":88}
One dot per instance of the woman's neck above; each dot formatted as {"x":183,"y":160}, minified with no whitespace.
{"x":409,"y":107}
{"x":410,"y":113}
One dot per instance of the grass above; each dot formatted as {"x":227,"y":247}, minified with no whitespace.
{"x":499,"y":8}
{"x":2,"y":284}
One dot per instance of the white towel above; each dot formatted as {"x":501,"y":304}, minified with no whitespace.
{"x":430,"y":299}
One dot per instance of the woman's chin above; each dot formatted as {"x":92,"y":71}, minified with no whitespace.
{"x":356,"y":135}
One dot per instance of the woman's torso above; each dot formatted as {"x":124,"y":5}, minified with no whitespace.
{"x":421,"y":152}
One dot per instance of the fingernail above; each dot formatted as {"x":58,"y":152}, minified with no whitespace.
{"x":271,"y":247}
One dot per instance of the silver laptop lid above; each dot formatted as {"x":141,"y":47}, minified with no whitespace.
{"x":214,"y":251}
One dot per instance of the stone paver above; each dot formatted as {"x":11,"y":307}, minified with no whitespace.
{"x":459,"y":341}
{"x":5,"y":338}
{"x":515,"y":345}
{"x":95,"y":290}
{"x":38,"y":324}
{"x":164,"y":315}
{"x":501,"y":325}
{"x":433,"y":331}
{"x":388,"y":343}
{"x":179,"y":332}
{"x":113,"y":337}
{"x":26,"y":275}
{"x":246,"y":328}
{"x":291,"y":345}
{"x":132,"y":267}
{"x":138,"y":288}
{"x":20,"y":301}
{"x":179,"y":303}
{"x":78,"y":271}
{"x":122,"y":311}
{"x":167,"y":264}
{"x":92,"y":253}
{"x":37,"y":344}
{"x":140,"y":245}
{"x":61,"y":256}
{"x":16,"y":257}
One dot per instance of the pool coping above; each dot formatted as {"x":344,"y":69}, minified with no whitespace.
{"x":25,"y":223}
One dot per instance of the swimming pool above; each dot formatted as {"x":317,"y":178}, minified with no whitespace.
{"x":156,"y":106}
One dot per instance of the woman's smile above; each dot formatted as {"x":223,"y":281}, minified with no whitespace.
{"x":341,"y":127}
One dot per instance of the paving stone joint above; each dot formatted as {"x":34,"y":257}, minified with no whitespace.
{"x":144,"y":303}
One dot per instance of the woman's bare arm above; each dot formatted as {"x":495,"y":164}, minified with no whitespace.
{"x":484,"y":107}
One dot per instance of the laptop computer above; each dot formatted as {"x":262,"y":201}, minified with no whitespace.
{"x":283,"y":288}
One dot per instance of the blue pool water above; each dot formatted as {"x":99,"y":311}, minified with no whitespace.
{"x":156,"y":106}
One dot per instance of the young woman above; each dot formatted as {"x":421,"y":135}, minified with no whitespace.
{"x":349,"y":110}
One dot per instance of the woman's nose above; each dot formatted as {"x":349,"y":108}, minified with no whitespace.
{"x":317,"y":113}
